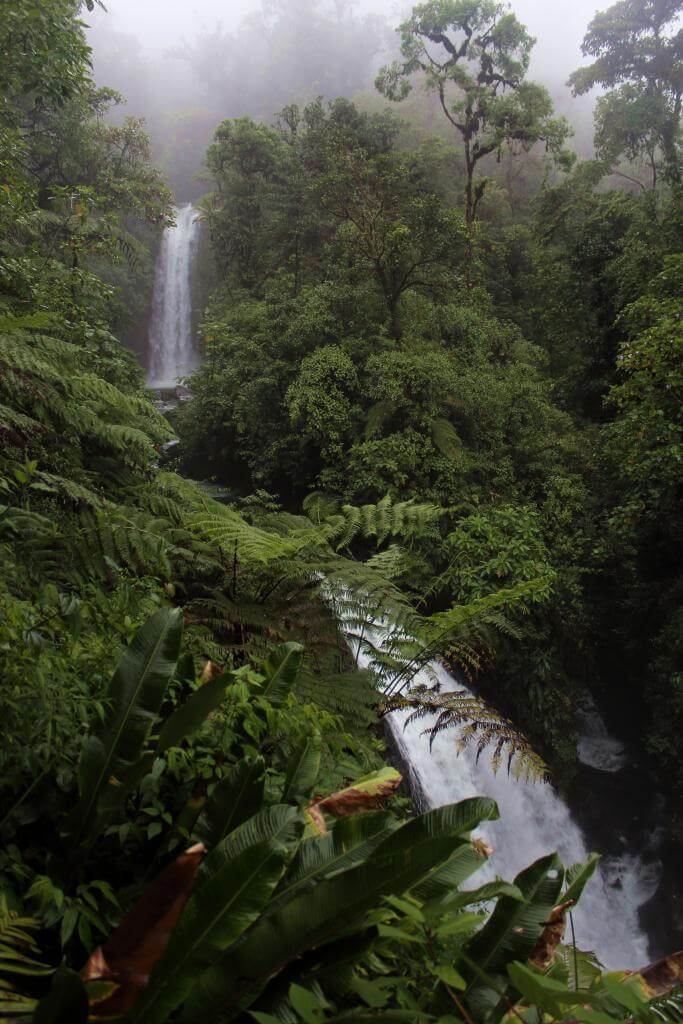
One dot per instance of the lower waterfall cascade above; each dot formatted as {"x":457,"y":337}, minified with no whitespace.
{"x":534,"y":821}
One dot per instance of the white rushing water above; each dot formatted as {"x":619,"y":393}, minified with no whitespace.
{"x":171,"y":353}
{"x":596,"y":747}
{"x":534,"y":821}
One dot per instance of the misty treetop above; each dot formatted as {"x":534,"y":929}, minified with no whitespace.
{"x":475,"y":57}
{"x":639,"y":60}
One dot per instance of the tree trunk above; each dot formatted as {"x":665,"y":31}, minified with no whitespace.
{"x":469,"y":216}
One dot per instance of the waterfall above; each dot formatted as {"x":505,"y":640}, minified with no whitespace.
{"x":171,"y":353}
{"x":534,"y":821}
{"x":596,"y":747}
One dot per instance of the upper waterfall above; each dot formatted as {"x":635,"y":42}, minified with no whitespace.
{"x":171,"y":353}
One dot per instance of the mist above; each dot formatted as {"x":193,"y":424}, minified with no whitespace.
{"x":184,"y":67}
{"x":159,"y":25}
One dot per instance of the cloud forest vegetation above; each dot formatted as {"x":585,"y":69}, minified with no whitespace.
{"x":441,"y":384}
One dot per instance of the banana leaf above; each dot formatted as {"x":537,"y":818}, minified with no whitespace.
{"x":364,"y":794}
{"x":447,"y":878}
{"x":302,"y":770}
{"x":313,"y":918}
{"x":279,"y":823}
{"x":191,"y":715}
{"x":133,"y":701}
{"x":577,"y":876}
{"x":512,"y":930}
{"x":349,"y":843}
{"x":231,"y":895}
{"x":233,"y":800}
{"x":117,"y":972}
{"x":65,"y":1003}
{"x":281,"y":670}
{"x":456,"y":900}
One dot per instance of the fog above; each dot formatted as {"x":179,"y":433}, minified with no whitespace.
{"x":184,"y":65}
{"x":159,"y":25}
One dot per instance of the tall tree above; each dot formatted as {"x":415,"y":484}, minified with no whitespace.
{"x":474,"y":54}
{"x":638,"y":51}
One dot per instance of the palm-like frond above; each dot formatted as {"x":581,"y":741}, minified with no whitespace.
{"x":445,"y":437}
{"x":387,"y":518}
{"x":18,"y":958}
{"x":477,"y":724}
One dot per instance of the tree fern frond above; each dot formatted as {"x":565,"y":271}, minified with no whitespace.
{"x":28,"y":322}
{"x":27,"y":358}
{"x":405,"y":519}
{"x":377,"y":416}
{"x":18,"y":958}
{"x":41,"y":354}
{"x":389,"y":563}
{"x":478,"y":724}
{"x":88,"y":387}
{"x":446,"y":439}
{"x":109,"y":541}
{"x":319,"y":507}
{"x":120,"y":437}
{"x":75,"y":492}
{"x":352,"y":695}
{"x":12,"y":419}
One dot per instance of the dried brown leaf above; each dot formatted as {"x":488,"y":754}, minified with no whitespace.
{"x":663,"y":975}
{"x":126,"y":959}
{"x":551,"y":936}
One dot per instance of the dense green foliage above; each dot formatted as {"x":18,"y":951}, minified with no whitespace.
{"x":472,"y":430}
{"x":366,"y":340}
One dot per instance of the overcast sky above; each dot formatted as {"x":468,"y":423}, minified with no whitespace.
{"x":559,"y":25}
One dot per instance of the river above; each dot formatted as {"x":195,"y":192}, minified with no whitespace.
{"x":535,"y":819}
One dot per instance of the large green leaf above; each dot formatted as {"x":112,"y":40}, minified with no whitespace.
{"x":455,"y":900}
{"x":349,"y":843}
{"x":370,"y":792}
{"x":271,"y":823}
{"x":133,"y":701}
{"x":281,"y":670}
{"x":233,"y":800}
{"x":314,"y":917}
{"x":228,"y":898}
{"x":449,"y":820}
{"x":513,"y":928}
{"x":447,"y":878}
{"x":578,"y":875}
{"x":191,"y":715}
{"x":65,"y":1003}
{"x":544,"y":992}
{"x":456,"y":819}
{"x":302,"y":769}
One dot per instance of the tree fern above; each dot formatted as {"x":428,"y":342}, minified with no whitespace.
{"x":405,"y":519}
{"x":68,"y":395}
{"x":353,"y":695}
{"x":476,"y":723}
{"x":73,"y":491}
{"x":18,"y":958}
{"x":13,"y":420}
{"x":445,"y":437}
{"x":113,"y":540}
{"x":130,"y":408}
